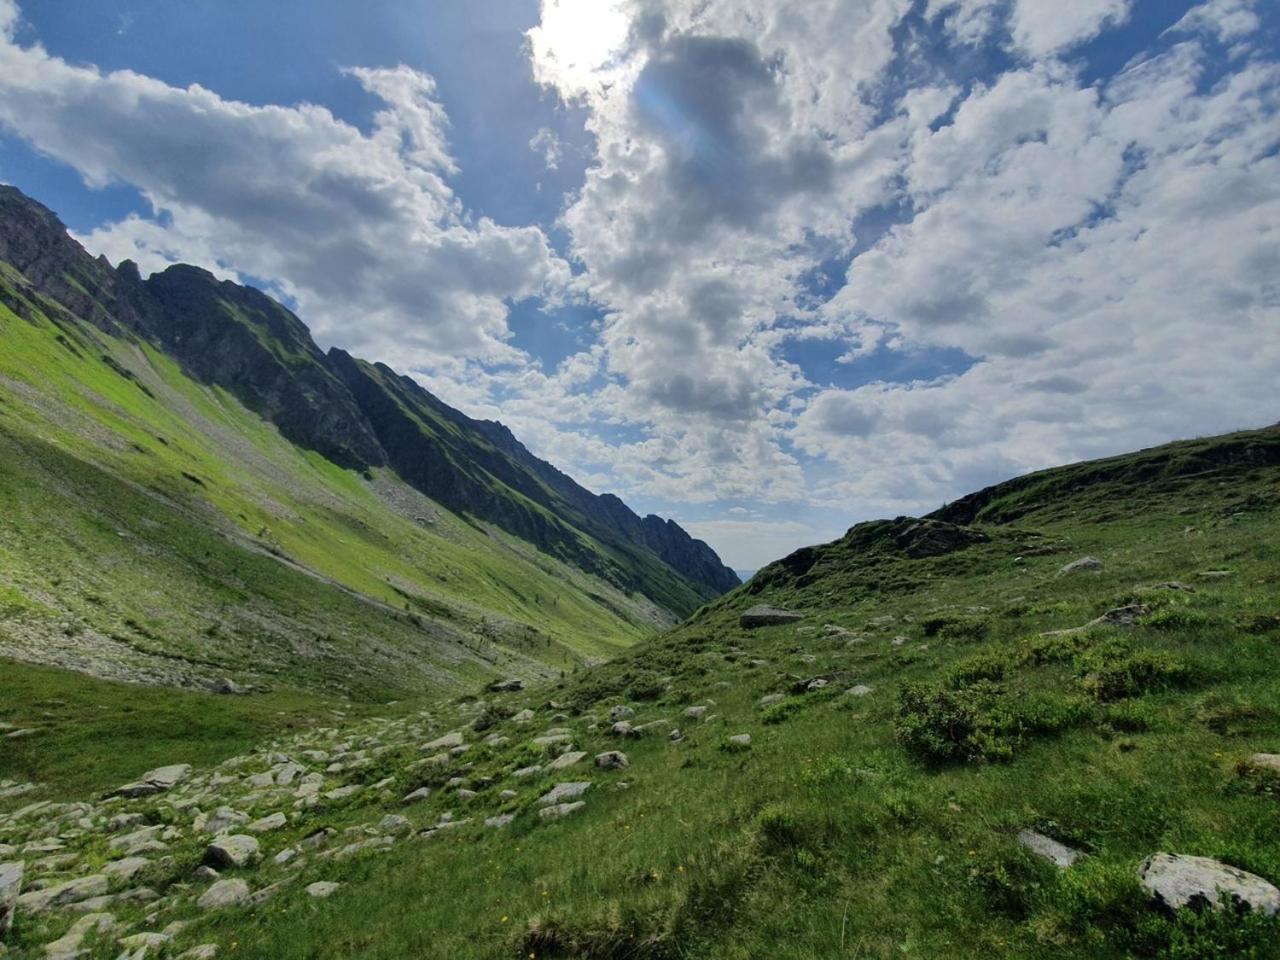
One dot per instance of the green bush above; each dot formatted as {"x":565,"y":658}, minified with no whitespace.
{"x":981,"y":722}
{"x":986,"y":666}
{"x":1113,"y":671}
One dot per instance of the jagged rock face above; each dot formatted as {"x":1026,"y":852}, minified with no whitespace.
{"x":240,"y":338}
{"x":358,"y":415}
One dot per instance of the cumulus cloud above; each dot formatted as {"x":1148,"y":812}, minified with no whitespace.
{"x":363,"y":231}
{"x":767,"y":176}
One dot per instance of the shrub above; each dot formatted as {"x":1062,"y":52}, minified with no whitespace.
{"x":1113,"y":671}
{"x":781,"y":712}
{"x":1178,"y":618}
{"x":986,"y":666}
{"x":981,"y":722}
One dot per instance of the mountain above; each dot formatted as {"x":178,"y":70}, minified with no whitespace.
{"x":1030,"y":725}
{"x":204,"y":410}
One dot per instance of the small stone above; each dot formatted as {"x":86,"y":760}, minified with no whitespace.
{"x":322,"y":889}
{"x":420,"y":794}
{"x":447,"y":742}
{"x":524,"y":716}
{"x":861,"y":690}
{"x":392,"y":823}
{"x":566,"y":760}
{"x":695,"y":713}
{"x":205,"y":951}
{"x":500,"y":821}
{"x":560,"y":810}
{"x":1092,"y":564}
{"x":564,"y":791}
{"x":675,"y":736}
{"x":506,"y":686}
{"x":1059,"y":854}
{"x":612,"y":760}
{"x":1176,"y":881}
{"x":769,"y":699}
{"x":223,"y":894}
{"x":267,"y":824}
{"x":740,"y":740}
{"x":526,"y":773}
{"x":145,"y":942}
{"x":233,"y":851}
{"x":623,"y":729}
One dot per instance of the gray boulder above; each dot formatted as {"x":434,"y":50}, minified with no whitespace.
{"x":156,"y":781}
{"x":10,"y":887}
{"x":612,"y":760}
{"x":1178,"y":881}
{"x":560,"y":810}
{"x":223,"y":894}
{"x":322,"y":889}
{"x":564,"y":791}
{"x":64,"y":894}
{"x":1091,"y":564}
{"x":233,"y":851}
{"x":763,"y":615}
{"x":68,"y":946}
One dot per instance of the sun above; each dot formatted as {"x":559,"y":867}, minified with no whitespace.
{"x":575,"y":41}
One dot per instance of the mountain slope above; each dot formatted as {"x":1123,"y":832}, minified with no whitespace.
{"x":191,"y":491}
{"x":945,"y":688}
{"x":237,"y":338}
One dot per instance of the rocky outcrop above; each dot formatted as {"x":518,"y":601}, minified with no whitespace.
{"x":766,"y":616}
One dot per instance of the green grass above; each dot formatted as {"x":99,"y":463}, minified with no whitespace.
{"x":124,"y":490}
{"x":92,"y":735}
{"x":833,"y":834}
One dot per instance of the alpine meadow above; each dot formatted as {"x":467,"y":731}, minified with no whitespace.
{"x":640,"y":480}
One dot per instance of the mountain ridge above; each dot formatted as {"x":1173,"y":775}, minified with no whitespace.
{"x":242,"y":340}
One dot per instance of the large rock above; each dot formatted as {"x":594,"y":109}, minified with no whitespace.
{"x":612,"y":760}
{"x":560,"y":810}
{"x":156,"y":781}
{"x":68,"y":946}
{"x":233,"y":851}
{"x":1182,"y":881}
{"x":10,"y":887}
{"x":224,"y":893}
{"x":447,"y":742}
{"x":1265,"y":761}
{"x":766,"y":616}
{"x":64,"y":894}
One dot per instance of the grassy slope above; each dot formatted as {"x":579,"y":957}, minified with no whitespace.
{"x":828,"y":837}
{"x":124,"y":492}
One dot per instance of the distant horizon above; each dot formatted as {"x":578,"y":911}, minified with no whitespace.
{"x":702,"y":258}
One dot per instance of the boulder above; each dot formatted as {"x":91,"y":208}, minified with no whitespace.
{"x":934,"y":538}
{"x":68,"y":946}
{"x":233,"y":851}
{"x":524,"y":716}
{"x":612,"y":760}
{"x":763,"y":615}
{"x":1091,"y":564}
{"x":223,"y":894}
{"x":564,"y":791}
{"x":10,"y":888}
{"x":1059,"y":854}
{"x":1265,"y":761}
{"x":566,"y":760}
{"x":620,"y":712}
{"x":64,"y":894}
{"x":228,"y":688}
{"x":506,"y":686}
{"x":156,"y":781}
{"x":861,"y":690}
{"x":448,"y":742}
{"x":500,"y":821}
{"x":740,"y":740}
{"x":560,"y":810}
{"x":274,"y":822}
{"x":126,"y":869}
{"x":322,"y":889}
{"x":1176,"y":880}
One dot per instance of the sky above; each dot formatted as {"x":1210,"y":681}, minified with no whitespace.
{"x":768,"y":268}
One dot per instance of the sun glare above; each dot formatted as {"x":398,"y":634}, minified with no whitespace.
{"x":575,"y":40}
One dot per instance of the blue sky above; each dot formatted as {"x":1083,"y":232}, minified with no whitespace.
{"x":768,"y":268}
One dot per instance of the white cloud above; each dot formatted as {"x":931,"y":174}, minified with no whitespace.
{"x":547,"y":145}
{"x":1227,"y":20}
{"x":361,"y":230}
